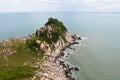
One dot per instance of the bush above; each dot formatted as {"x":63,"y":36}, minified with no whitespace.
{"x":55,"y":36}
{"x":31,"y":43}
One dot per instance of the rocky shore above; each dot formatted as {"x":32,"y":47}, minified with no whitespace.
{"x":55,"y":67}
{"x":52,"y":40}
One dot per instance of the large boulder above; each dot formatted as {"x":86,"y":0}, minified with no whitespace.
{"x":70,"y":38}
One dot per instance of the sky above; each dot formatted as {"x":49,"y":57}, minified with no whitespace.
{"x":60,"y":5}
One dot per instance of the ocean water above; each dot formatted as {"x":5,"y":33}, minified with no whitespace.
{"x":98,"y":56}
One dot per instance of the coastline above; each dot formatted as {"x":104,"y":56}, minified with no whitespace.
{"x":51,"y":41}
{"x":59,"y":70}
{"x":54,"y":68}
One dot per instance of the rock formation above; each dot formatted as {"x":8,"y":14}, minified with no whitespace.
{"x":53,"y":35}
{"x":53,"y":39}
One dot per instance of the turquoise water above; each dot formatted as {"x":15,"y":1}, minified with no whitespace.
{"x":98,"y":57}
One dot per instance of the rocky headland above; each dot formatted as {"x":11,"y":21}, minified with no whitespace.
{"x":52,"y":39}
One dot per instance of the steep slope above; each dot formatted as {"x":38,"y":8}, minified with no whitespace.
{"x":47,"y":38}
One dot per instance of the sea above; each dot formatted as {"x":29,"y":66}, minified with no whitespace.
{"x":98,"y":55}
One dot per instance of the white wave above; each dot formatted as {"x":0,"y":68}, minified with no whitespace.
{"x":79,"y":44}
{"x":84,"y":38}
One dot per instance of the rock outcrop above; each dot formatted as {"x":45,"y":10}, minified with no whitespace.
{"x":52,"y":36}
{"x":53,"y":39}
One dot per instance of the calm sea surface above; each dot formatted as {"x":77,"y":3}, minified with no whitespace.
{"x":99,"y":55}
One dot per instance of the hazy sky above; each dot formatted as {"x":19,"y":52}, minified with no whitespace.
{"x":59,"y":5}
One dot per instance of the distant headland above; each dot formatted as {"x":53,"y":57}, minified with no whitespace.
{"x":47,"y":45}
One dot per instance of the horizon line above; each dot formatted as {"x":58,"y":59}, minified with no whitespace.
{"x":66,"y":12}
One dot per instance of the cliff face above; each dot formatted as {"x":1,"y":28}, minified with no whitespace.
{"x":52,"y":36}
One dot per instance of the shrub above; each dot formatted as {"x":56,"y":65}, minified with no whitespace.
{"x":31,"y":43}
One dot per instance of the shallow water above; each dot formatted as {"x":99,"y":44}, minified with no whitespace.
{"x":98,"y":56}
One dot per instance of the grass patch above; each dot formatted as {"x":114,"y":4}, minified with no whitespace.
{"x":13,"y":68}
{"x":16,"y":73}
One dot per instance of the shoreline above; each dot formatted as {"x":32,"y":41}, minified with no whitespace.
{"x":52,"y":39}
{"x":59,"y":70}
{"x":55,"y":67}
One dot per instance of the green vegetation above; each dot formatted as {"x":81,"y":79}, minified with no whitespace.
{"x":12,"y":67}
{"x":17,"y":73}
{"x":55,"y":36}
{"x":17,"y":66}
{"x":57,"y":26}
{"x":58,"y":29}
{"x":31,"y":43}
